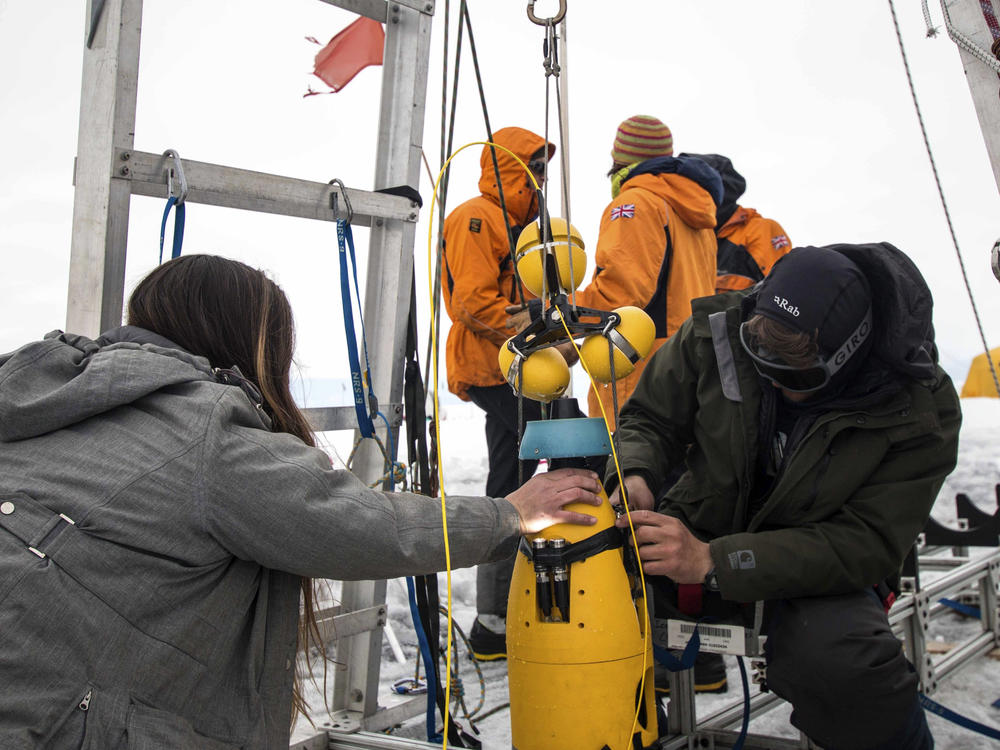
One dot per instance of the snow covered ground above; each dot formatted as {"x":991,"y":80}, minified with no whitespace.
{"x":970,"y":691}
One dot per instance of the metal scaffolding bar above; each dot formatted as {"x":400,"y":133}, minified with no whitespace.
{"x":101,"y":206}
{"x":229,"y":187}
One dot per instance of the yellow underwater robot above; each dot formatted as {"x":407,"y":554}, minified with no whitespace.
{"x":576,"y":642}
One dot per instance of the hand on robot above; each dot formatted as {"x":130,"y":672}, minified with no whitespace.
{"x":637,"y":492}
{"x":667,"y":548}
{"x":540,"y":500}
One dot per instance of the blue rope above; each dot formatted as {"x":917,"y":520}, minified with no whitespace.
{"x":956,"y":718}
{"x":425,"y":650}
{"x":178,"y":227}
{"x":359,"y":379}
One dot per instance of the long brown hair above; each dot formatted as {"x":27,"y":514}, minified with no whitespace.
{"x":233,"y":314}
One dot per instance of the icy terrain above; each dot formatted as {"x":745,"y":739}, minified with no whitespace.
{"x":969,"y":691}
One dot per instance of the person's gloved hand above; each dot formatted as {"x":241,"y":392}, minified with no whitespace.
{"x":518,"y":318}
{"x":521,"y":316}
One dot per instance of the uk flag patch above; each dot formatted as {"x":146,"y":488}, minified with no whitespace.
{"x":780,"y":241}
{"x":625,"y":211}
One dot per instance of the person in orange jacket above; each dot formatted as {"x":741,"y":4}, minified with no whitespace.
{"x":656,"y":247}
{"x":749,"y":244}
{"x":480,"y":285}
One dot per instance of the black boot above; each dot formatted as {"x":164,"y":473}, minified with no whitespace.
{"x":914,"y":735}
{"x":486,"y":645}
{"x":709,"y":675}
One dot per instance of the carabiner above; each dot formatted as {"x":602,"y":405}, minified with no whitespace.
{"x":177,"y":170}
{"x":546,"y":21}
{"x":347,"y":201}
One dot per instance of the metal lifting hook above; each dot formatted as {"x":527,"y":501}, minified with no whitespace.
{"x":347,"y":201}
{"x":176,"y":170}
{"x":546,"y":21}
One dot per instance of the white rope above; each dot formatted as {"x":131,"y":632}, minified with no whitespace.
{"x":931,"y":28}
{"x":944,"y":203}
{"x":984,"y":56}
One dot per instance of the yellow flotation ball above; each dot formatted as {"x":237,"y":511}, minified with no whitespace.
{"x":638,"y":331}
{"x":531,"y":251}
{"x":545,"y":373}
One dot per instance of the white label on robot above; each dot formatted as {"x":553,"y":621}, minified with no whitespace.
{"x":721,"y":639}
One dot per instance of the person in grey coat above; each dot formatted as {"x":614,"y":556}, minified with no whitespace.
{"x":163,"y":509}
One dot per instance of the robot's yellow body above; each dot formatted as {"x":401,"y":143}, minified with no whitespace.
{"x":575,"y":676}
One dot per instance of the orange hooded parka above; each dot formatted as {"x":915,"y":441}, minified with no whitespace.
{"x":479,"y":278}
{"x":656,"y":250}
{"x":749,"y":245}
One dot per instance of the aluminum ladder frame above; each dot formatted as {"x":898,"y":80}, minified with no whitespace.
{"x":108,"y":171}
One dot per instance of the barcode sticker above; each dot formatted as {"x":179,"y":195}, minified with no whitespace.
{"x":722,"y":639}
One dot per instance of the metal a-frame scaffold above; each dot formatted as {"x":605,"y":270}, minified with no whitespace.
{"x":109,"y":171}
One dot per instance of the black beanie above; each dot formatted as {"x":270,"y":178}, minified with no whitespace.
{"x":817,"y":291}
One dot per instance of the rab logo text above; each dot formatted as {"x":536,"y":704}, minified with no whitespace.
{"x":784,"y":305}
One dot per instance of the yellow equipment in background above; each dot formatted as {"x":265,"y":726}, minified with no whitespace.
{"x":530,"y":255}
{"x":632,"y":338}
{"x":576,"y":641}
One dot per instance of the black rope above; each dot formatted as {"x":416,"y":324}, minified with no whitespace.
{"x":443,"y":187}
{"x":520,"y":417}
{"x":493,"y":151}
{"x":614,"y":401}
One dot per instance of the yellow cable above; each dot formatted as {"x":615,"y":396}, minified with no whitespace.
{"x":437,"y":420}
{"x":628,"y":515}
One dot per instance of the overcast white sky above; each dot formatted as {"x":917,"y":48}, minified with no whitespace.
{"x":808,"y":99}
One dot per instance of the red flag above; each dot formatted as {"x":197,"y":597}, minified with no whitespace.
{"x":354,"y":48}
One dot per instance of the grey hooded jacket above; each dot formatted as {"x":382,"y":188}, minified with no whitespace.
{"x":153,"y":533}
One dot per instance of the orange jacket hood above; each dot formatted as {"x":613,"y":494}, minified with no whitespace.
{"x":740,"y":217}
{"x":689,"y":186}
{"x":517,"y":190}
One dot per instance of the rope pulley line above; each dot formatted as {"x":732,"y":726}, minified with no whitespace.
{"x":940,"y":189}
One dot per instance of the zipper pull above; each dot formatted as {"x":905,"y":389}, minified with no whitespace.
{"x":85,"y":703}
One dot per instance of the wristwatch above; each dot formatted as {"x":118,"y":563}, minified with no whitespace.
{"x":711,"y":581}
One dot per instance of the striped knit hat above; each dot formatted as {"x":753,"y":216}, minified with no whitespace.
{"x":639,"y":138}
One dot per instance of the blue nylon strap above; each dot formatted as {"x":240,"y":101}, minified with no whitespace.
{"x":965,"y":609}
{"x":178,"y":240}
{"x":425,"y":651}
{"x":955,"y":718}
{"x":686,"y":661}
{"x":345,"y":239}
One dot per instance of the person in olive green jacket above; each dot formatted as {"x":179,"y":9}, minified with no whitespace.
{"x":816,"y":429}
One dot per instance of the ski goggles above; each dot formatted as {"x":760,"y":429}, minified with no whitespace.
{"x":812,"y":377}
